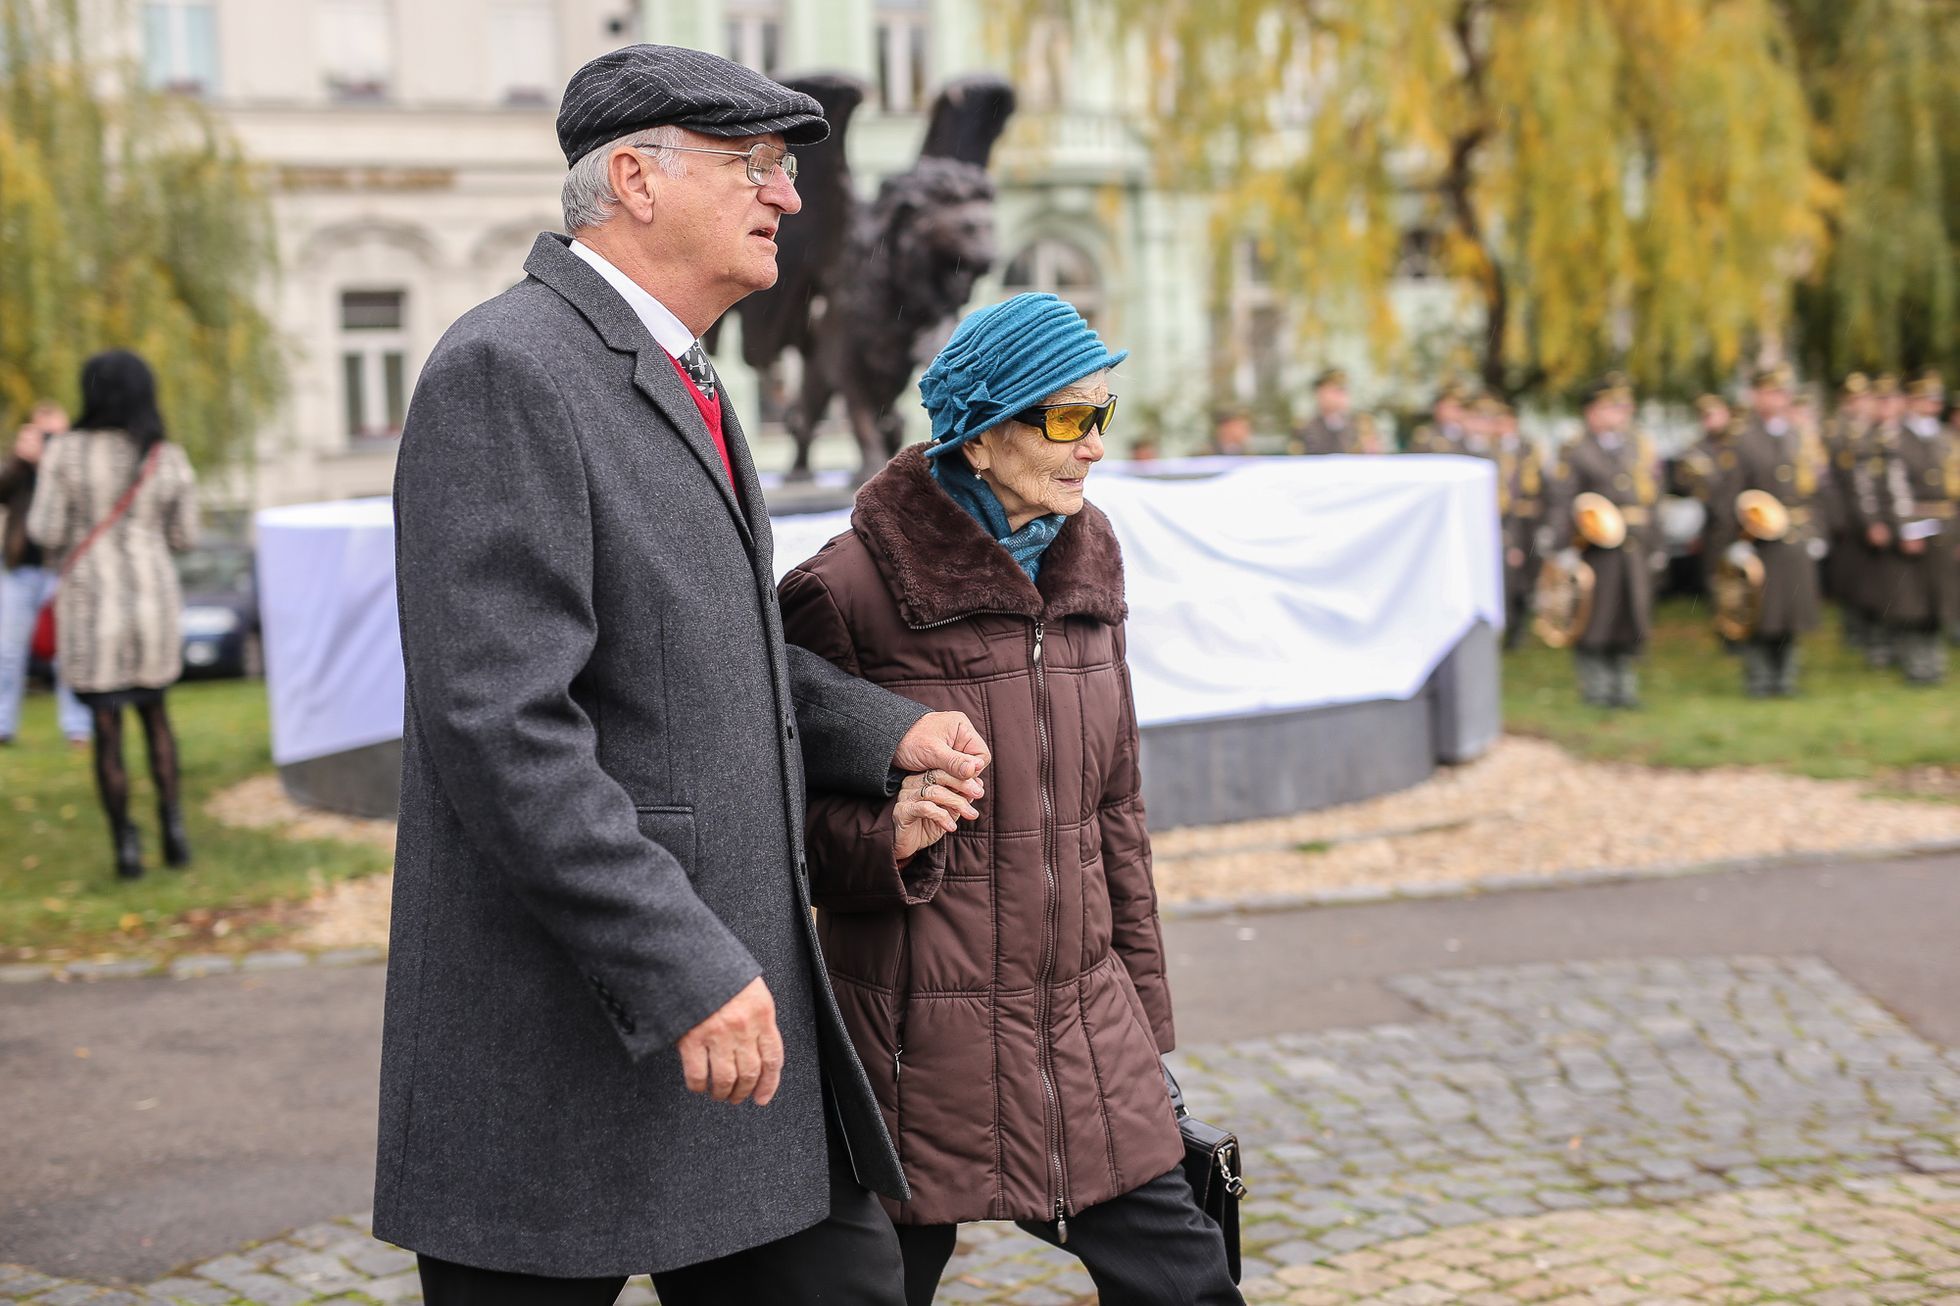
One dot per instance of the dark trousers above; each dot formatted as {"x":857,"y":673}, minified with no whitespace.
{"x":1150,"y":1247}
{"x":851,"y":1259}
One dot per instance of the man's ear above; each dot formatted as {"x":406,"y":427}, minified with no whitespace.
{"x":635,"y":181}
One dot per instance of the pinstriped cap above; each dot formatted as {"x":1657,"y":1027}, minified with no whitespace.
{"x":640,"y":86}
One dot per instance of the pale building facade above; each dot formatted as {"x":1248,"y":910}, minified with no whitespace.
{"x":412,"y":152}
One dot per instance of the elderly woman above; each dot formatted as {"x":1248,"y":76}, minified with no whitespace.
{"x":1004,"y":984}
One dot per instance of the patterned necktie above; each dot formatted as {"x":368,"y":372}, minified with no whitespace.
{"x":699,"y":369}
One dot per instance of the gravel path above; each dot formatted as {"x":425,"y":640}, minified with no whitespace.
{"x":1528,"y":807}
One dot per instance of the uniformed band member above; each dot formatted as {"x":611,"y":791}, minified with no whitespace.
{"x":1843,"y":437}
{"x":1333,"y":428}
{"x":1773,"y":456}
{"x":1444,"y":432}
{"x":1699,"y":471}
{"x":1912,"y":479}
{"x":1521,"y":511}
{"x":1609,"y":460}
{"x":1860,"y":466}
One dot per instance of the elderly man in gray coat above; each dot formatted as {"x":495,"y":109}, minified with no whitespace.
{"x":610,"y":1046}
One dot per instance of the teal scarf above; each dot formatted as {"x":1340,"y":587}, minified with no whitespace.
{"x":957,"y":477}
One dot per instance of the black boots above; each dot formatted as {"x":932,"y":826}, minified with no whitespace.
{"x":129,"y":851}
{"x":129,"y":845}
{"x":176,"y":845}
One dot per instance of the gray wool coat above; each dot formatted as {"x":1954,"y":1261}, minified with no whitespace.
{"x":601,"y":841}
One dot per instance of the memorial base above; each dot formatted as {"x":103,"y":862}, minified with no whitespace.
{"x":1194,"y":772}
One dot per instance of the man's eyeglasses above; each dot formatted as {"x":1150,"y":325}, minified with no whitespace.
{"x":1067,"y":423}
{"x":760,"y":160}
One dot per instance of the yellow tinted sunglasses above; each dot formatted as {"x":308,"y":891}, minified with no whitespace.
{"x":1067,"y":423}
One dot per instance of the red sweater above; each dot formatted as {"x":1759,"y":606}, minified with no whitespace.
{"x":710,"y":406}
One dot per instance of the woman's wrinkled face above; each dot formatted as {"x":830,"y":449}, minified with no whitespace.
{"x":1034,"y":476}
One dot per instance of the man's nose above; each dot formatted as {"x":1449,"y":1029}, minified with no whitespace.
{"x":779,"y":192}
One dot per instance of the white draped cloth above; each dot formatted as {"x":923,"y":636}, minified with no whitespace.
{"x":1255,"y":585}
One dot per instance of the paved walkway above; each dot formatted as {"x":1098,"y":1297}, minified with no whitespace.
{"x":1729,"y":1128}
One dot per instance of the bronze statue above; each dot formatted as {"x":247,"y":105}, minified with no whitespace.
{"x":868,"y":293}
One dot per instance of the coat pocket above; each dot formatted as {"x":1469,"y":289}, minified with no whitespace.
{"x":673,"y":829}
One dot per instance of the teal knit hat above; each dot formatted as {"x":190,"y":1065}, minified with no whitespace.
{"x":1004,"y":359}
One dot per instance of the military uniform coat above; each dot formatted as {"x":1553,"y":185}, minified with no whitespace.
{"x":603,"y":771}
{"x":1623,"y":577}
{"x":118,"y":615}
{"x":1433,"y":438}
{"x":1321,"y":436}
{"x":1916,"y":487}
{"x":1521,"y":510}
{"x":1792,"y":468}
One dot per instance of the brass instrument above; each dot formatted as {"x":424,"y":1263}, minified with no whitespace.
{"x":1737,"y":586}
{"x":1737,"y":590}
{"x":1763,"y":516}
{"x":1562,"y":602}
{"x":1599,"y":521}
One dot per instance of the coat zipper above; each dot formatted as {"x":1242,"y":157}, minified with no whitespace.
{"x":1045,"y":1051}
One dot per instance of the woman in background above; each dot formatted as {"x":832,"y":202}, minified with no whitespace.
{"x":114,"y":500}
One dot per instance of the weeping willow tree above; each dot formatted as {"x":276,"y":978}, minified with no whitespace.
{"x":1885,"y":101}
{"x":1618,"y":183}
{"x":127,"y":219}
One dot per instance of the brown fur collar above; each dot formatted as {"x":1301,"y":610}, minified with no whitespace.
{"x":942,"y":566}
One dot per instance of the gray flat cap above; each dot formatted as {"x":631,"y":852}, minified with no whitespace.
{"x":640,"y":86}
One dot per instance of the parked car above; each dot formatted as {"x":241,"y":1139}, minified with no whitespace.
{"x":221,"y":611}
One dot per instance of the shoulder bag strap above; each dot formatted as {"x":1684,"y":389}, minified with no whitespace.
{"x":116,"y":513}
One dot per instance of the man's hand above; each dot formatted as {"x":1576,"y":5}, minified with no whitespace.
{"x":1514,"y":557}
{"x":29,"y":441}
{"x":930,"y":807}
{"x":1878,"y":534}
{"x":1912,"y":548}
{"x":737,"y":1053}
{"x":943,"y":741}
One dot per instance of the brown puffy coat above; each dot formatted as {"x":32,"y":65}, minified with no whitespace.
{"x":1006,"y":990}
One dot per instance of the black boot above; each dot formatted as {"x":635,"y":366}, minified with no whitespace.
{"x":129,"y":852}
{"x":176,"y":844}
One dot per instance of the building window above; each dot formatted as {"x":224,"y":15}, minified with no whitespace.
{"x":524,"y":51}
{"x":373,"y":363}
{"x":180,"y":46}
{"x":755,"y":36}
{"x":1060,"y":268}
{"x":1258,"y":326}
{"x":357,"y":48}
{"x":902,"y":72}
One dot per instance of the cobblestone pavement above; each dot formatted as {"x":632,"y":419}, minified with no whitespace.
{"x":1723,"y":1130}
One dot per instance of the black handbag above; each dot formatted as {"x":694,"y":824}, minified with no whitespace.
{"x":1212,"y":1162}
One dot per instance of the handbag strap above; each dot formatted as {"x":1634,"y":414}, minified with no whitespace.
{"x":116,"y":513}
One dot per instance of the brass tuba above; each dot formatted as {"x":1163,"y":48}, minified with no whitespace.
{"x":1737,"y":587}
{"x":1599,"y":521}
{"x":1563,"y":601}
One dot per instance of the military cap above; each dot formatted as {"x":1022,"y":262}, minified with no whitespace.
{"x":1488,"y":405}
{"x":1857,"y":383}
{"x":1775,"y":377}
{"x":1609,"y":389}
{"x":1886,"y":385}
{"x":1451,"y":392}
{"x":1927,"y":385}
{"x":1331,"y":376}
{"x":1707,"y":404}
{"x":637,"y":87}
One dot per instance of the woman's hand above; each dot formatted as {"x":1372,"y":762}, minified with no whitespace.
{"x":931,"y":806}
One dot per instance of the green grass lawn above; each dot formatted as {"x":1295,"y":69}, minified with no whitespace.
{"x":59,"y":897}
{"x":1848,"y":721}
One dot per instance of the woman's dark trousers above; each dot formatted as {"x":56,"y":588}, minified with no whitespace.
{"x":1150,"y":1247}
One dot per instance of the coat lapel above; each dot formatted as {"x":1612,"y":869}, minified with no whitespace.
{"x":553,"y":263}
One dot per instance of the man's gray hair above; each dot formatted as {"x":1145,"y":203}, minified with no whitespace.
{"x":588,"y":198}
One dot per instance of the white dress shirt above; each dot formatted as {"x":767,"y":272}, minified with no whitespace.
{"x":666,"y":329}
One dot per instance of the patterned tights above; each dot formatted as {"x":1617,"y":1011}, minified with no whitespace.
{"x":112,"y":778}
